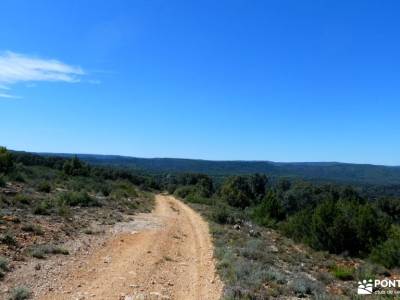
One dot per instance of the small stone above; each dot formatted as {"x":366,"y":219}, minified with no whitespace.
{"x":133,"y":286}
{"x":273,"y":249}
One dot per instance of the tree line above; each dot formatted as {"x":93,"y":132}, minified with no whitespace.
{"x":328,"y":217}
{"x":11,"y":160}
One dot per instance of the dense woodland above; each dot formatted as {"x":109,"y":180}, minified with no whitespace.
{"x":359,"y":174}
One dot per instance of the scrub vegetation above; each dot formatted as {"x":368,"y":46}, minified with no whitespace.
{"x":282,"y":238}
{"x":274,"y":237}
{"x":48,"y":202}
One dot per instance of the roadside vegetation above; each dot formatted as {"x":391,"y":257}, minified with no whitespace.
{"x":282,"y":238}
{"x":46,"y":202}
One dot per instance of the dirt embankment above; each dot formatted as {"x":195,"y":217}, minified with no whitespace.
{"x":169,"y":256}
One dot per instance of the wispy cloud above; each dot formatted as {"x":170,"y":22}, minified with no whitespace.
{"x":15,"y":68}
{"x":8,"y":96}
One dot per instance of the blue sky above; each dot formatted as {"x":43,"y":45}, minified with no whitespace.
{"x":257,"y":80}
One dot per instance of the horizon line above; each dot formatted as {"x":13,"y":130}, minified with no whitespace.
{"x":209,"y":160}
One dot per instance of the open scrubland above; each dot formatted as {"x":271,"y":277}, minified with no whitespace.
{"x":69,"y":230}
{"x":52,"y":209}
{"x":287,"y":239}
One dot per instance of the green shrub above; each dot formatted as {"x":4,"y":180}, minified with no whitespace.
{"x":390,"y":206}
{"x":44,"y":187}
{"x":298,"y":226}
{"x":339,"y":226}
{"x":106,"y":190}
{"x":9,"y":239}
{"x":32,"y":228}
{"x":20,"y":293}
{"x":302,"y":286}
{"x":41,"y":251}
{"x":184,"y":191}
{"x":196,"y":198}
{"x":236,"y":192}
{"x":270,"y":209}
{"x":75,"y":167}
{"x":387,"y":253}
{"x":2,"y":181}
{"x":78,"y":199}
{"x":23,"y":199}
{"x":6,"y":161}
{"x":4,"y":264}
{"x":221,"y":214}
{"x":43,"y":207}
{"x":64,"y":210}
{"x":127,"y":188}
{"x":343,"y":272}
{"x":15,"y":175}
{"x":3,"y":267}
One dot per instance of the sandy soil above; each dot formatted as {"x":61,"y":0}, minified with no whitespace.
{"x":170,"y":256}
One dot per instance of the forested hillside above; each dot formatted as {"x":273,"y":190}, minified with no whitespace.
{"x":349,"y":236}
{"x":329,"y":171}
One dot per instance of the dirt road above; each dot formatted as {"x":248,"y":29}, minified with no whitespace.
{"x":169,"y":258}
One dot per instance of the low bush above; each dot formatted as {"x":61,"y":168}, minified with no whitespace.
{"x":269,"y":211}
{"x":41,"y":251}
{"x":16,"y":176}
{"x":44,"y":187}
{"x":20,"y":293}
{"x":339,"y":226}
{"x":387,"y":253}
{"x":184,"y":191}
{"x":78,"y":199}
{"x":222,"y":214}
{"x":32,"y":228}
{"x":9,"y":239}
{"x":343,"y":272}
{"x":303,"y":286}
{"x":22,"y":199}
{"x":196,"y":198}
{"x":43,"y":207}
{"x":236,"y":191}
{"x":106,"y":190}
{"x":6,"y":161}
{"x":3,"y":267}
{"x":64,"y":210}
{"x":4,"y":264}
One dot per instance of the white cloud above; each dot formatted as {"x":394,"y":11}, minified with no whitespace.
{"x":8,"y":96}
{"x":15,"y":68}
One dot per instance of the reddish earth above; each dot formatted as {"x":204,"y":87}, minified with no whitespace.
{"x":170,"y":256}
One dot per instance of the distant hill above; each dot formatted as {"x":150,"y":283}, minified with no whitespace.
{"x":324,"y":171}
